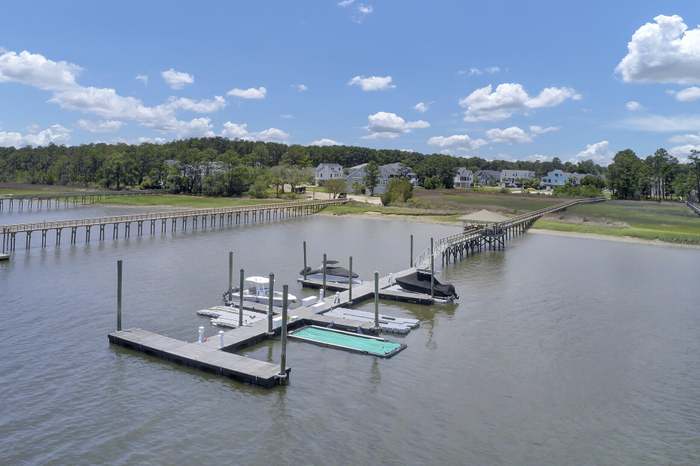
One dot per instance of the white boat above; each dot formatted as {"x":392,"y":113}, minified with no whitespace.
{"x":334,"y":274}
{"x":4,"y":257}
{"x":258,"y":291}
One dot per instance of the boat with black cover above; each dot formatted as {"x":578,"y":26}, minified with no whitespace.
{"x":419,"y":282}
{"x":334,"y":273}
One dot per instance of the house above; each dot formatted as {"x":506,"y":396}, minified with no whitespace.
{"x":558,"y":177}
{"x":328,"y":171}
{"x":463,"y":178}
{"x":356,"y":176}
{"x":488,"y":177}
{"x":512,"y":178}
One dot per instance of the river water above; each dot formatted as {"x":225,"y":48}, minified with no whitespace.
{"x":560,"y":351}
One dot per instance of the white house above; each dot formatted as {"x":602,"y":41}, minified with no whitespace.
{"x":463,"y":178}
{"x":558,"y":177}
{"x":511,"y":178}
{"x":328,"y":171}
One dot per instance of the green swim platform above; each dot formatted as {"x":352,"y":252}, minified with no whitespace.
{"x":354,"y":342}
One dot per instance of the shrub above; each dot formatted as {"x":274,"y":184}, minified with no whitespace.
{"x":399,"y":190}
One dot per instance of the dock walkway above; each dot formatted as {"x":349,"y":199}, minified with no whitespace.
{"x":8,"y":202}
{"x":694,"y":207}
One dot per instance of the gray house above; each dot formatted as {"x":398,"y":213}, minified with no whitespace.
{"x":328,"y":171}
{"x":463,"y":178}
{"x":356,"y":175}
{"x":488,"y":177}
{"x":513,"y":178}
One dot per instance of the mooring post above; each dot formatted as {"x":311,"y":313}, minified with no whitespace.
{"x":270,"y":303}
{"x":350,"y":282}
{"x":119,"y":295}
{"x":221,"y":338}
{"x":200,"y":334}
{"x":411,"y":250}
{"x":240,"y":300}
{"x":304,"y":260}
{"x":376,"y":300}
{"x":324,"y":274}
{"x":230,"y":276}
{"x":432,"y":270}
{"x":283,"y":334}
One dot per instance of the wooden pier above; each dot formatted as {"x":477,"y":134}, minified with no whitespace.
{"x":55,"y":200}
{"x":158,"y":222}
{"x":694,"y":207}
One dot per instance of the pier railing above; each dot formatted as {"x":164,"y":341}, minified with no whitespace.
{"x":694,"y":207}
{"x":475,"y":233}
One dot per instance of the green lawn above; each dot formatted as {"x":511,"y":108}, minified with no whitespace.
{"x":667,"y":221}
{"x":180,"y":200}
{"x":466,"y":201}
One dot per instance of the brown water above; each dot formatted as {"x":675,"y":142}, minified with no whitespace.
{"x":561,"y":351}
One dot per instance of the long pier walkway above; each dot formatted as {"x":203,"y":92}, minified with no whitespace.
{"x":159,"y":221}
{"x":22,"y":202}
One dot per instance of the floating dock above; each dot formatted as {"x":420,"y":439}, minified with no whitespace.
{"x":363,"y":344}
{"x":387,"y":323}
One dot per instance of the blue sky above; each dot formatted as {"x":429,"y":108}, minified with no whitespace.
{"x":569,"y":81}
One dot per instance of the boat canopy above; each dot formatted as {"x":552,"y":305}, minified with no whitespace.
{"x":258,"y":280}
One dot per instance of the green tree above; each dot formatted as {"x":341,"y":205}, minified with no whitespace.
{"x":336,"y":186}
{"x":371,"y":177}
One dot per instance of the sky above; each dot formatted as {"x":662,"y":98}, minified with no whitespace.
{"x":505,"y":80}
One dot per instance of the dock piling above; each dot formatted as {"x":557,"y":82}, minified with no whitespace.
{"x":221,"y":338}
{"x":283,"y":334}
{"x":270,"y":303}
{"x":230,"y":276}
{"x":324,"y":274}
{"x":200,"y":334}
{"x":119,"y":294}
{"x":376,"y":300}
{"x":305,"y":265}
{"x":350,"y":282}
{"x":432,"y":269}
{"x":240,"y":299}
{"x":411,"y":250}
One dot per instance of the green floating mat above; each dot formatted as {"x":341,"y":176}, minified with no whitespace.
{"x":348,"y":341}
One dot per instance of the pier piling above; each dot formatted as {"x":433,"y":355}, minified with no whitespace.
{"x":270,"y":303}
{"x":376,"y":300}
{"x":350,"y":282}
{"x":432,"y":269}
{"x":230,"y":276}
{"x":240,"y":299}
{"x":324,"y":274}
{"x":305,"y":260}
{"x":119,"y":294}
{"x":283,"y":334}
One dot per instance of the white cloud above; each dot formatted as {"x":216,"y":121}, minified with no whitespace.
{"x":250,"y":93}
{"x":665,"y":51}
{"x":372,"y":83}
{"x":143,"y":78}
{"x":37,"y":71}
{"x":682,"y":152}
{"x":197,"y":106}
{"x":362,"y":11}
{"x":633,"y":106}
{"x":688,"y":94}
{"x":301,"y":87}
{"x":104,"y":126}
{"x":511,"y":135}
{"x":55,"y":134}
{"x":539,"y":158}
{"x":487,"y":104}
{"x":287,"y":116}
{"x":240,"y":131}
{"x":663,"y":124}
{"x":144,"y":140}
{"x":177,"y":79}
{"x":685,"y":139}
{"x":345,"y":3}
{"x":421,"y":107}
{"x":390,"y":125}
{"x":325,"y":142}
{"x":60,"y":78}
{"x":537,"y":130}
{"x":456,"y":142}
{"x":479,"y":71}
{"x":598,"y":152}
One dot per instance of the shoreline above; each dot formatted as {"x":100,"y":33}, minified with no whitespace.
{"x":618,"y":239}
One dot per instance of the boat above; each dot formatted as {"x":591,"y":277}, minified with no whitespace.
{"x":334,"y":274}
{"x":419,"y":282}
{"x":4,"y":257}
{"x":258,"y":291}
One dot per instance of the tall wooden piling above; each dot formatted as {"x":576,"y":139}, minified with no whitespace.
{"x":305,"y":265}
{"x":350,"y":281}
{"x":230,"y":276}
{"x":432,"y":269}
{"x":240,"y":299}
{"x":119,"y":294}
{"x":376,"y":300}
{"x":270,"y":303}
{"x":324,"y":274}
{"x":283,"y":333}
{"x":411,"y":264}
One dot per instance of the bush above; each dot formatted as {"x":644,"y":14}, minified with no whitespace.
{"x":358,"y":188}
{"x":432,"y":182}
{"x":399,"y":190}
{"x":258,"y":189}
{"x":577,"y":191}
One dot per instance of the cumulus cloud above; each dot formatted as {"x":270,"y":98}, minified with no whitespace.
{"x":197,"y":106}
{"x":147,"y":140}
{"x":633,"y":106}
{"x":54,"y":134}
{"x":240,"y":131}
{"x":60,"y":78}
{"x":390,"y":125}
{"x":325,"y":142}
{"x":301,"y":87}
{"x":104,"y":126}
{"x":664,"y":51}
{"x":688,"y":94}
{"x":345,"y":3}
{"x":372,"y":83}
{"x":143,"y":78}
{"x":479,"y":71}
{"x":598,"y":152}
{"x":663,"y":124}
{"x":422,"y":107}
{"x":511,"y":135}
{"x":537,"y":130}
{"x":176,"y":79}
{"x":487,"y":104}
{"x":460,"y":142}
{"x":250,"y":93}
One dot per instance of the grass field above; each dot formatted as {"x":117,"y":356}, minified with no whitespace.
{"x":465,"y":201}
{"x":180,"y":200}
{"x":666,"y":221}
